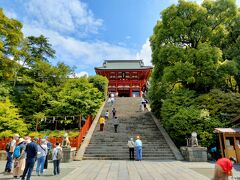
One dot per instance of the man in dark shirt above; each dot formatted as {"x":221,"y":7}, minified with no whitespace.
{"x":31,"y":150}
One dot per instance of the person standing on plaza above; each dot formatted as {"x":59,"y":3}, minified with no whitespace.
{"x":31,"y":150}
{"x":19,"y":162}
{"x":131,"y":149}
{"x":223,"y":169}
{"x":101,"y":122}
{"x":138,"y":145}
{"x":41,"y":156}
{"x":57,"y":156}
{"x":49,"y":151}
{"x":10,"y":150}
{"x":114,"y":112}
{"x":115,"y":123}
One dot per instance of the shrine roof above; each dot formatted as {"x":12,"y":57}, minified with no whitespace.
{"x":123,"y":64}
{"x":227,"y":130}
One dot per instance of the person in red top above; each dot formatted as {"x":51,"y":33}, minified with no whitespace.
{"x":223,"y":169}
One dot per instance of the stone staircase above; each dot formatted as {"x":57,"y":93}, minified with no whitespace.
{"x":132,"y":122}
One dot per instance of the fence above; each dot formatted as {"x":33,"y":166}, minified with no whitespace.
{"x":74,"y":141}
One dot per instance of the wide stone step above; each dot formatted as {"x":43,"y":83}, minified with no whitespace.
{"x":146,"y":153}
{"x":132,"y":122}
{"x":127,"y":158}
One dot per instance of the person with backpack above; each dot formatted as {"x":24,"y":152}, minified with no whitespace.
{"x":19,"y":158}
{"x":10,"y":149}
{"x":31,"y":150}
{"x":57,"y":156}
{"x":41,"y":156}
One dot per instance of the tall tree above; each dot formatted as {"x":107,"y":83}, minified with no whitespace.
{"x":10,"y":39}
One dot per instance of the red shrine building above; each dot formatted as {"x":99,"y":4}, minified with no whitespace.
{"x":126,"y":77}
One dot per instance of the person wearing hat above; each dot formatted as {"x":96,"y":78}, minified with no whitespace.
{"x":223,"y":168}
{"x":138,"y":145}
{"x":31,"y":150}
{"x":131,"y":149}
{"x":9,"y":164}
{"x":19,"y":162}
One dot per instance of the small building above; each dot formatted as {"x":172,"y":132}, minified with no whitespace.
{"x":229,"y":139}
{"x":126,"y":77}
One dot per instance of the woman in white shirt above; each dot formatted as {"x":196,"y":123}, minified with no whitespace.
{"x":41,"y":156}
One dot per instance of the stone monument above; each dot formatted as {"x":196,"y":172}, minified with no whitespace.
{"x":193,"y":152}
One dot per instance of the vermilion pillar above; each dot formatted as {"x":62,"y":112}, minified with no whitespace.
{"x":130,"y":93}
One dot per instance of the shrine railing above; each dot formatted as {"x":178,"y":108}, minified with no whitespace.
{"x":75,"y":142}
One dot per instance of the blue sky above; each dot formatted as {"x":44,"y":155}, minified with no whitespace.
{"x":86,"y":32}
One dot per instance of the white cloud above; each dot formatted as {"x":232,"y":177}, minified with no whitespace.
{"x":80,"y":53}
{"x":80,"y":74}
{"x":71,"y":16}
{"x":238,"y":2}
{"x":10,"y":14}
{"x":61,"y":20}
{"x":145,"y":53}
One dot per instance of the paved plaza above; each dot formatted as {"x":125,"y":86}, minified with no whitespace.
{"x":128,"y":170}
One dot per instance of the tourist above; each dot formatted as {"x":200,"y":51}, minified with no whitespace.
{"x":114,"y":112}
{"x":19,"y":161}
{"x":102,"y":122}
{"x":106,"y":115}
{"x":131,"y":149}
{"x":138,"y":145}
{"x":109,"y":101}
{"x":41,"y":156}
{"x":115,"y":123}
{"x":10,"y":150}
{"x":112,"y":99}
{"x":57,"y":156}
{"x":31,"y":150}
{"x":223,"y":169}
{"x":49,"y":151}
{"x":143,"y":104}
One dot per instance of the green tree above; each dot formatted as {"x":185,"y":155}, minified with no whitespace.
{"x":195,"y":50}
{"x":10,"y":120}
{"x":10,"y":39}
{"x":101,"y":83}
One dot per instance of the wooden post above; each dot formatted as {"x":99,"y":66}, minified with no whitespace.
{"x":220,"y":141}
{"x":224,"y":143}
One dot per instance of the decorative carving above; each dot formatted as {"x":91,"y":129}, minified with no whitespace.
{"x":193,"y":141}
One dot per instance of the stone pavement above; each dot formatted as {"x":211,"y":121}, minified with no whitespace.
{"x":129,"y":170}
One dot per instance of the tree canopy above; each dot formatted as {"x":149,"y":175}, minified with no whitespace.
{"x":31,"y":88}
{"x":195,"y":50}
